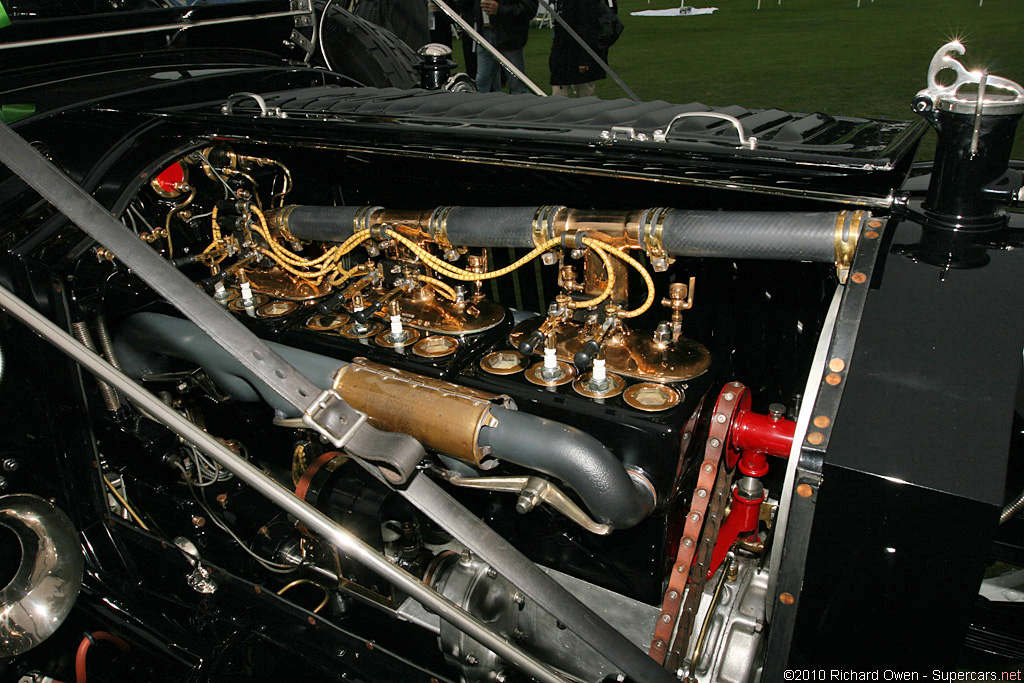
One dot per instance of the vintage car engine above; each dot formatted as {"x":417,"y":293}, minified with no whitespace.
{"x":608,"y":373}
{"x":571,"y":409}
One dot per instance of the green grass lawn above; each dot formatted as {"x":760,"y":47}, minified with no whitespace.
{"x":802,"y":55}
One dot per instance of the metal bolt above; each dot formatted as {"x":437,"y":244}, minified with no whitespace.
{"x":702,"y":493}
{"x":471,"y":660}
{"x":685,"y":436}
{"x":687,"y":542}
{"x":709,"y":467}
{"x":3,"y":484}
{"x":548,"y":258}
{"x":198,"y":521}
{"x":666,"y":618}
{"x":659,"y":264}
{"x":695,"y":517}
{"x":11,"y":465}
{"x":451,"y":255}
{"x":715,"y":443}
{"x":728,"y":396}
{"x":720,"y":418}
{"x":491,"y":574}
{"x":673,"y":595}
{"x":777,"y":411}
{"x":659,"y":644}
{"x":681,"y":568}
{"x":500,"y":677}
{"x":519,"y":599}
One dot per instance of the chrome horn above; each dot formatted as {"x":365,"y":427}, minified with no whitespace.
{"x":44,"y":588}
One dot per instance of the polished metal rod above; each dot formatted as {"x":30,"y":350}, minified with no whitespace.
{"x":177,"y":26}
{"x":464,"y":25}
{"x":309,"y":516}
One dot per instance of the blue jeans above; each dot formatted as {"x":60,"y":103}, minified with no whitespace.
{"x":488,"y":69}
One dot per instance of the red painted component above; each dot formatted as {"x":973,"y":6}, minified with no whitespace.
{"x":756,"y":433}
{"x":742,"y":521}
{"x":170,"y":179}
{"x":83,"y":650}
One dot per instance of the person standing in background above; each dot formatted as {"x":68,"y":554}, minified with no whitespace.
{"x":505,"y":24}
{"x":596,"y":21}
{"x":439,"y":24}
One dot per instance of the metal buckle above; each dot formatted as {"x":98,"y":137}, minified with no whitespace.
{"x":333,"y":418}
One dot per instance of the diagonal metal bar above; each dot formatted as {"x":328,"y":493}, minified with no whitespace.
{"x":475,"y":35}
{"x":589,"y":50}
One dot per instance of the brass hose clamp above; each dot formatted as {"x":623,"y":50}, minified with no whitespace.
{"x":649,"y":236}
{"x":364,"y":217}
{"x":848,"y":226}
{"x":278,"y":220}
{"x":544,"y":223}
{"x":437,"y":226}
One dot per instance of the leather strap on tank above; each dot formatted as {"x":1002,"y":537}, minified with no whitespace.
{"x":679,"y":576}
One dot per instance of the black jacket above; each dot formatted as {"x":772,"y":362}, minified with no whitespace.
{"x":511,"y":23}
{"x":597,"y":24}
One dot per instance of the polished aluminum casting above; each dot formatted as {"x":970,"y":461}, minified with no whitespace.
{"x":41,"y":594}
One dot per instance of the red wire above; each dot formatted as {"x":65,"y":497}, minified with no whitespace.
{"x":83,"y":649}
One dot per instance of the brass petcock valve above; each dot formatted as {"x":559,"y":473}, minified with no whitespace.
{"x":328,"y":306}
{"x":476,"y":264}
{"x":567,"y":279}
{"x":680,"y":298}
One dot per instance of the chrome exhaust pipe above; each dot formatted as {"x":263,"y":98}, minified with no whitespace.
{"x":44,"y":588}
